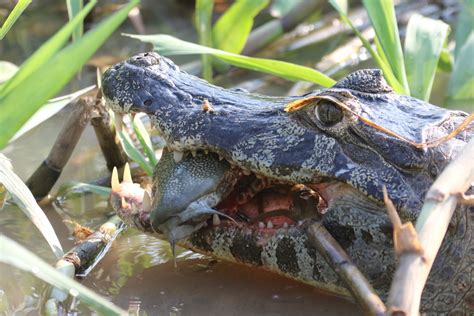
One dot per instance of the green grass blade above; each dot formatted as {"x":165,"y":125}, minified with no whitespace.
{"x":18,"y":256}
{"x":144,"y":139}
{"x":465,"y":25}
{"x":73,"y":9}
{"x":424,"y":42}
{"x":232,"y":29}
{"x":461,"y":84}
{"x":13,"y":16}
{"x":133,"y":153}
{"x":203,"y":16}
{"x":384,"y":21}
{"x":26,"y":202}
{"x":341,"y":8}
{"x":78,"y":189}
{"x":44,"y":54}
{"x":48,"y":110}
{"x":51,"y":77}
{"x":169,"y":45}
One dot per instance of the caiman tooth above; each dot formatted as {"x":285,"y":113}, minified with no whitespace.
{"x":146,"y":202}
{"x":124,"y":203}
{"x":216,"y":221}
{"x":246,"y":172}
{"x":206,"y":151}
{"x":127,"y":175}
{"x":118,"y":122}
{"x":178,"y":156}
{"x":194,"y":153}
{"x":285,"y":225}
{"x":114,"y":183}
{"x":269,"y":224}
{"x":261,"y":225}
{"x":220,"y":157}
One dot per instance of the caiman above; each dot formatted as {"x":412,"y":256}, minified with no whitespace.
{"x":241,"y":178}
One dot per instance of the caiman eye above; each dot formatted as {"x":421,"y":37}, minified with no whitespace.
{"x":328,"y":113}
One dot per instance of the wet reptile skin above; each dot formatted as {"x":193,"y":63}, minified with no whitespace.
{"x":347,"y":163}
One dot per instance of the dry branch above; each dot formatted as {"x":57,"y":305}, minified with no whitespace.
{"x":338,"y":259}
{"x":440,"y":204}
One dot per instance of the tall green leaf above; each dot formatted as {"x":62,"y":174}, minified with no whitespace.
{"x":50,"y":77}
{"x":73,"y":8}
{"x":16,"y":255}
{"x":144,"y":139}
{"x":341,"y":8}
{"x":48,"y":110}
{"x":232,"y":29}
{"x":203,"y":16}
{"x":27,"y":203}
{"x":13,"y":16}
{"x":465,"y":25}
{"x":169,"y":45}
{"x":43,"y":54}
{"x":133,"y":153}
{"x":423,"y":45}
{"x":461,"y":84}
{"x":384,"y":21}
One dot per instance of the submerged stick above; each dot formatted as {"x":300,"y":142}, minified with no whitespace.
{"x":431,"y":226}
{"x":339,"y":260}
{"x":44,"y":178}
{"x":82,"y":258}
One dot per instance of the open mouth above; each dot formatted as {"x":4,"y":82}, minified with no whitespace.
{"x":261,"y":203}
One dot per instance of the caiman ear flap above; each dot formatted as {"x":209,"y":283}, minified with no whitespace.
{"x":366,"y":80}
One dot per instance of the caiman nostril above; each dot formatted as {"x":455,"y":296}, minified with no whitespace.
{"x":147,"y":102}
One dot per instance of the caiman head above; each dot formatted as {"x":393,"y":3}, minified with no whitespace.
{"x":327,"y":160}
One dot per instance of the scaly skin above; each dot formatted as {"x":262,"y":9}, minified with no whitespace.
{"x":323,"y":146}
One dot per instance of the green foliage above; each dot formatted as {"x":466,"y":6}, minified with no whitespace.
{"x":461,"y":85}
{"x":144,"y":139}
{"x":133,"y":153}
{"x":382,"y":16}
{"x":16,"y":255}
{"x":14,"y":15}
{"x":74,"y":188}
{"x":379,"y":57}
{"x":169,"y":45}
{"x":423,"y":45}
{"x":425,"y":49}
{"x":27,"y":203}
{"x":73,"y":8}
{"x":203,"y":18}
{"x":48,"y":110}
{"x":232,"y":29}
{"x":465,"y":25}
{"x":47,"y":71}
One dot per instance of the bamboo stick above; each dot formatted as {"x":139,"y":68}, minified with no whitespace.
{"x":440,"y":204}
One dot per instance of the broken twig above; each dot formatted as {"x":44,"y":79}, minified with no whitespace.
{"x":337,"y":258}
